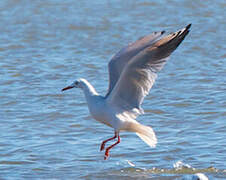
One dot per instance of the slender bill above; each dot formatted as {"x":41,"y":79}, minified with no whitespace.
{"x":66,"y":88}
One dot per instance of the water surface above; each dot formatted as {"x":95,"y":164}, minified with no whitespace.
{"x":45,"y":45}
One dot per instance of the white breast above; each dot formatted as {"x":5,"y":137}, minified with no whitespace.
{"x":100,"y":111}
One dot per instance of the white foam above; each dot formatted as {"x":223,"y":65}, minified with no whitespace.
{"x":179,"y":165}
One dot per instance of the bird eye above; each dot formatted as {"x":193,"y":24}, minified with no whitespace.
{"x":76,"y":83}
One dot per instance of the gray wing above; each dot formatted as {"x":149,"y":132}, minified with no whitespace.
{"x":121,"y":59}
{"x":139,"y":75}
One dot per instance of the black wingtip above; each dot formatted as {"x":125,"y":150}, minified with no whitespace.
{"x":188,"y":26}
{"x":163,"y":32}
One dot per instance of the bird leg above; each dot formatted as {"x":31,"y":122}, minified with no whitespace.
{"x":108,"y":148}
{"x":104,"y":142}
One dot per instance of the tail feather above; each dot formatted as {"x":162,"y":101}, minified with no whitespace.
{"x":146,"y":133}
{"x":149,"y":141}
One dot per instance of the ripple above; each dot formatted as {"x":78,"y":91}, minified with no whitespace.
{"x":49,"y":134}
{"x":16,"y":162}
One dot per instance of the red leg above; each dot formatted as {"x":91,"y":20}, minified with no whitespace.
{"x":108,"y":148}
{"x":104,"y":142}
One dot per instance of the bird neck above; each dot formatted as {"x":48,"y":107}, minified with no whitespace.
{"x":88,"y":90}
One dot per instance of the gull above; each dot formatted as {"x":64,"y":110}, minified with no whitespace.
{"x":199,"y":176}
{"x":132,"y":73}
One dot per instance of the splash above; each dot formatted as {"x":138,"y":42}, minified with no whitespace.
{"x":180,"y":165}
{"x":179,"y":171}
{"x":130,"y":163}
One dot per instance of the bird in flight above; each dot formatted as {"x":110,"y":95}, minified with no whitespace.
{"x":132,"y":73}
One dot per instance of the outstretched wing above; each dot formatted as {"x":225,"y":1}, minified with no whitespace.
{"x":121,"y":59}
{"x":139,"y":75}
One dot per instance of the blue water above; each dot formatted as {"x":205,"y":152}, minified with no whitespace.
{"x":47,"y":134}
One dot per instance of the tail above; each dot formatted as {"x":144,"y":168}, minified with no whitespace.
{"x":146,"y":133}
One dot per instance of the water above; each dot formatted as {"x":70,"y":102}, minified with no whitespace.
{"x":45,"y":45}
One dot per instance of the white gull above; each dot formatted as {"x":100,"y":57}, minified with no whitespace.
{"x":199,"y":176}
{"x":132,"y":73}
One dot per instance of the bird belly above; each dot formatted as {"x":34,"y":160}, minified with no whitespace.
{"x":101,"y":114}
{"x":102,"y":118}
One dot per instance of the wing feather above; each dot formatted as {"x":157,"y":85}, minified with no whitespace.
{"x":139,"y":75}
{"x":121,"y":59}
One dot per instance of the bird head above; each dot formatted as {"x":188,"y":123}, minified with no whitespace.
{"x":75,"y":84}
